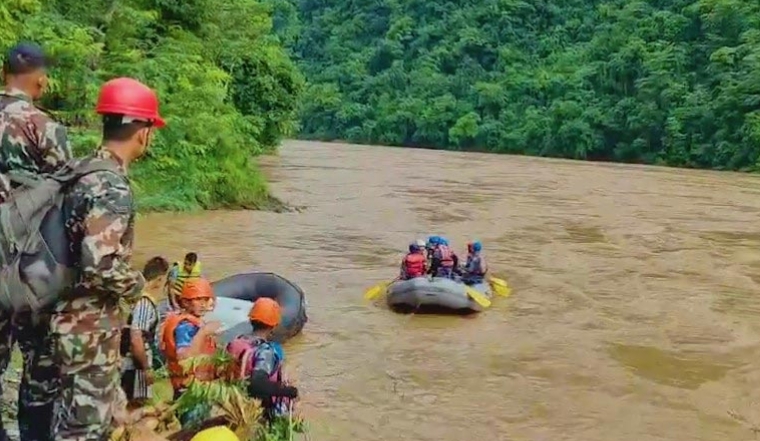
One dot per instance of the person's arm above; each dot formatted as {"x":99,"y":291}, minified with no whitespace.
{"x":259,"y":384}
{"x":190,"y":339}
{"x":51,"y":142}
{"x":105,"y":252}
{"x":144,"y":317}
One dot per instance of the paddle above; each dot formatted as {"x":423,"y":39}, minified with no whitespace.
{"x":478,"y":297}
{"x":376,"y":290}
{"x":500,"y":286}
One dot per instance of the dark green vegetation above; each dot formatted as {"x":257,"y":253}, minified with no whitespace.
{"x":228,"y":90}
{"x":673,"y":82}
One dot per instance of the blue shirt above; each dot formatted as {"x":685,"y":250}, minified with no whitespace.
{"x":184,"y":334}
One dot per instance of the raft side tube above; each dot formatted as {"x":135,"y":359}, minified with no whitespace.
{"x":436,"y":293}
{"x":251,"y":286}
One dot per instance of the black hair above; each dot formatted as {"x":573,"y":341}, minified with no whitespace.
{"x":155,"y":268}
{"x":191,"y":258}
{"x":115,"y":129}
{"x":22,"y":61}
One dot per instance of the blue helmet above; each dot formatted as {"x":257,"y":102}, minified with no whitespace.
{"x":413,"y":248}
{"x":443,"y":241}
{"x":477,"y":246}
{"x":433,"y":240}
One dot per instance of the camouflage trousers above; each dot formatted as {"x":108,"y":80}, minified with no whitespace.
{"x":40,"y":379}
{"x":87,"y":334}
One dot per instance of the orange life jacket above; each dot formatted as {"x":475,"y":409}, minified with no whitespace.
{"x":179,"y":378}
{"x":446,"y":255}
{"x":414,"y":265}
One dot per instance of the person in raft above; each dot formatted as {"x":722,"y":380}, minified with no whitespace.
{"x":475,"y":268}
{"x":414,"y":263}
{"x":139,"y":333}
{"x":260,"y":361}
{"x":184,"y":335}
{"x":444,"y":259}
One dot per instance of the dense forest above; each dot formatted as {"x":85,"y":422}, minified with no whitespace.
{"x":227,"y":87}
{"x":673,"y":82}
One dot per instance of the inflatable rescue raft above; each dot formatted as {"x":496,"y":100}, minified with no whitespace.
{"x":235,"y":296}
{"x":436,"y":292}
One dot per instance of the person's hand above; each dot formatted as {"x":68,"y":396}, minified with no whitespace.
{"x":212,"y":328}
{"x":150,"y":378}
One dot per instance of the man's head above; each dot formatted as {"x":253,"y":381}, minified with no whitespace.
{"x":25,"y":68}
{"x":265,"y":316}
{"x":197,"y":296}
{"x":189,"y":263}
{"x":155,"y":273}
{"x":130,"y":113}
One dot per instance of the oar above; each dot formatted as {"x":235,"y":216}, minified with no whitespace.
{"x":500,"y":286}
{"x":376,"y":290}
{"x":478,"y":296}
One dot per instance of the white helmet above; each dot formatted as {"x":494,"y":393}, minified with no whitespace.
{"x":421,"y":243}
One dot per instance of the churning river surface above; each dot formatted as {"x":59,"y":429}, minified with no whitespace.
{"x":635,"y":313}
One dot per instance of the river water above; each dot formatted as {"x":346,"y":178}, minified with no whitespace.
{"x":634,"y":313}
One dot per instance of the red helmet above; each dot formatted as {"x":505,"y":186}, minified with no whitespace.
{"x":129,"y":97}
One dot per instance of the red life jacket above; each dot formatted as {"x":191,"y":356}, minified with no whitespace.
{"x":414,"y":265}
{"x":447,"y":256}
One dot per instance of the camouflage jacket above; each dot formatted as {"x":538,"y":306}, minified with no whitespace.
{"x":100,"y":222}
{"x":31,"y":142}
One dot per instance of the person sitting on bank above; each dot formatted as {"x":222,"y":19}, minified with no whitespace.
{"x":414,"y":263}
{"x":260,"y":361}
{"x":475,"y":268}
{"x":138,"y":335}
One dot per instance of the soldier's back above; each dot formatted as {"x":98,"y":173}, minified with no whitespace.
{"x":31,"y":142}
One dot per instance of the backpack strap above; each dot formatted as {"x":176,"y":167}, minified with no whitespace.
{"x":72,"y":171}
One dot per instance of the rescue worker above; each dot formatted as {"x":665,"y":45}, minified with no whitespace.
{"x":139,"y":333}
{"x":184,"y":335}
{"x":475,"y":268}
{"x":414,"y":263}
{"x":31,"y":143}
{"x":444,"y":260}
{"x":190,"y":269}
{"x":260,"y":360}
{"x":100,"y":223}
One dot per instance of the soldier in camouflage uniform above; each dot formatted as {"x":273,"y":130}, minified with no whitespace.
{"x":100,"y":222}
{"x":31,"y":143}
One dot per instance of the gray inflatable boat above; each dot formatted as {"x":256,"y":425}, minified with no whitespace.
{"x":235,"y":296}
{"x":435,"y":293}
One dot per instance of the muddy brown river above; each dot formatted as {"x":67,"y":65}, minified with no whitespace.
{"x":635,"y":314}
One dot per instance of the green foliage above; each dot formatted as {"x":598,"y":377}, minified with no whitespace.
{"x":227,"y":89}
{"x":228,"y":394}
{"x":673,"y":82}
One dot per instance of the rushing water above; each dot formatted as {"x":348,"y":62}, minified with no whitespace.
{"x":634,"y":315}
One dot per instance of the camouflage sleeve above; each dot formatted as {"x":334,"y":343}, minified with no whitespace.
{"x":107,"y":238}
{"x":52,"y":141}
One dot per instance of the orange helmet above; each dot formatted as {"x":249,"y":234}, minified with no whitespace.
{"x":265,"y":311}
{"x":198,"y":288}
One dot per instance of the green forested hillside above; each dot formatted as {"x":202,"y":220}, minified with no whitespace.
{"x":661,"y":81}
{"x":227,"y":88}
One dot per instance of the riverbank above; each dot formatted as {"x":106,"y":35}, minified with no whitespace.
{"x":226,"y":87}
